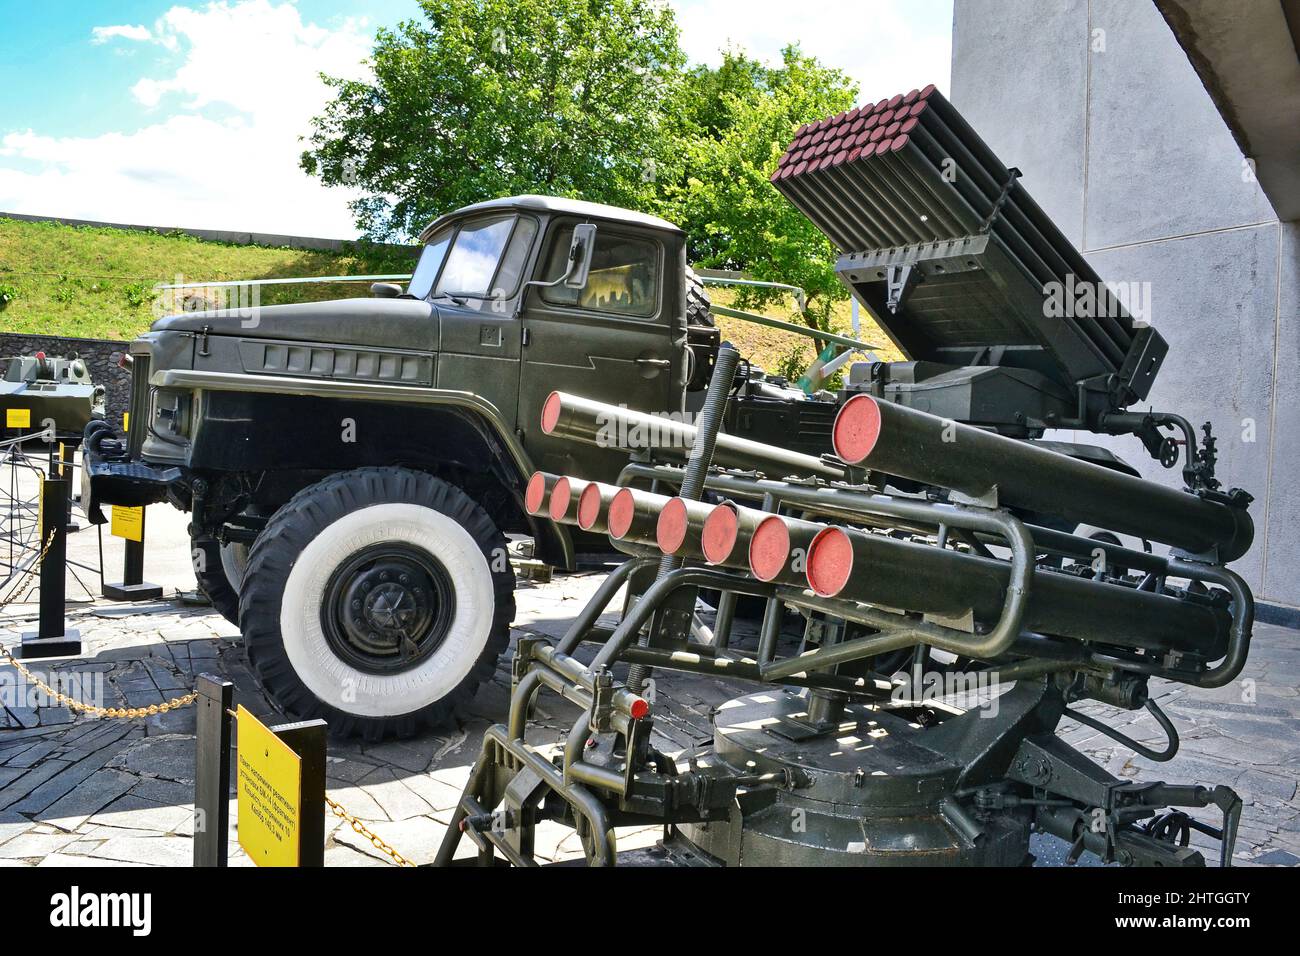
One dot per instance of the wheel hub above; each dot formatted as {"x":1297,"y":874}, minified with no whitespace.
{"x":387,"y":608}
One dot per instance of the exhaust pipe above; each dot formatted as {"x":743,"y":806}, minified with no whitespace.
{"x":902,"y":441}
{"x":875,"y":569}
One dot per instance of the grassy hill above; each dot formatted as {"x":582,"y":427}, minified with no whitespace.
{"x":96,"y":282}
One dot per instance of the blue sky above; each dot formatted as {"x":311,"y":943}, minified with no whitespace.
{"x":189,"y":113}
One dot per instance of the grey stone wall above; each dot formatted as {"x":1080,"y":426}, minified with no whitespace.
{"x":100,"y":355}
{"x":1096,"y":103}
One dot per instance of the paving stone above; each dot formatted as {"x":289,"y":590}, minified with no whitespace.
{"x":47,"y":793}
{"x":97,"y":791}
{"x":397,"y":801}
{"x":29,"y":781}
{"x":136,"y":813}
{"x":24,"y":716}
{"x":12,"y":825}
{"x":434,"y":792}
{"x":151,"y":850}
{"x":408,"y":755}
{"x":1249,"y":745}
{"x":171,"y":758}
{"x":157,"y":790}
{"x":417,"y":839}
{"x":350,"y":771}
{"x":353,"y":799}
{"x":30,"y":845}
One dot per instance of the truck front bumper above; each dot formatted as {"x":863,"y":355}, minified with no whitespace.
{"x":112,"y":481}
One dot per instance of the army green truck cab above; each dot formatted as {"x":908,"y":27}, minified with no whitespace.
{"x":352,"y":468}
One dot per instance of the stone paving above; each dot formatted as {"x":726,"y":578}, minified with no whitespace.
{"x":80,"y":791}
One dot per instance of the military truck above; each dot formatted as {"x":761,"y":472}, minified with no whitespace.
{"x":352,"y":468}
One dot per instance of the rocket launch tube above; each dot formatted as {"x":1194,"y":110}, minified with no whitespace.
{"x":907,"y":443}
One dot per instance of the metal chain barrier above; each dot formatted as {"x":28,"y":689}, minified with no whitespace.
{"x":93,"y":710}
{"x":375,"y":840}
{"x":174,"y":704}
{"x":79,"y":706}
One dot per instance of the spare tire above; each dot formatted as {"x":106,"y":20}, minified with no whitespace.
{"x":697,"y":300}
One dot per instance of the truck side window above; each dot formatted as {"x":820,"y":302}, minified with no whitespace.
{"x":623,"y":280}
{"x":512,"y":266}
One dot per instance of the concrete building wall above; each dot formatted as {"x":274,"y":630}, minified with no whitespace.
{"x":1096,"y":103}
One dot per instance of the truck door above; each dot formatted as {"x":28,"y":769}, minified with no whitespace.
{"x":609,"y":341}
{"x":476,"y":293}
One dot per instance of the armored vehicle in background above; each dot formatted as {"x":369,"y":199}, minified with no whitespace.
{"x":56,"y":391}
{"x":352,"y":468}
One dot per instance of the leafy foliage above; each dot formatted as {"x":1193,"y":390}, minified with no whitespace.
{"x":489,"y":98}
{"x":740,"y":117}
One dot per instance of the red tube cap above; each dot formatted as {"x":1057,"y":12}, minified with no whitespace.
{"x":718,"y":538}
{"x":769,"y":548}
{"x":830,"y":562}
{"x":856,"y":429}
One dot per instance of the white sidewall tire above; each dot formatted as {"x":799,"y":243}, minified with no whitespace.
{"x":353,"y":691}
{"x":234,"y":562}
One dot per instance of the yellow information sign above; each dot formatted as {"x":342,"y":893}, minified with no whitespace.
{"x":127,"y":523}
{"x":268,"y":794}
{"x":18,"y":418}
{"x":126,"y":421}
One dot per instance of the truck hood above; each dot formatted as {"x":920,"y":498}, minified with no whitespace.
{"x":378,"y":323}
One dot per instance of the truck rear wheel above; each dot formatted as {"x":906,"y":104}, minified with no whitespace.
{"x":378,"y":599}
{"x":218,"y":569}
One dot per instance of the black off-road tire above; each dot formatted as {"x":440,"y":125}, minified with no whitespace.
{"x":210,"y":574}
{"x":309,"y":607}
{"x":697,"y":300}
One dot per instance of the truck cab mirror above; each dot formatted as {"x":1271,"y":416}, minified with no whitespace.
{"x":385,"y":290}
{"x":580,"y":250}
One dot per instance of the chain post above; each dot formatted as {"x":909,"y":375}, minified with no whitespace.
{"x":212,"y":771}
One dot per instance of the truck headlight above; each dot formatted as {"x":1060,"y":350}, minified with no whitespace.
{"x":171,"y":412}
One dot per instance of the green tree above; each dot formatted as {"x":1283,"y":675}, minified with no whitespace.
{"x":487,"y":98}
{"x":739,"y":118}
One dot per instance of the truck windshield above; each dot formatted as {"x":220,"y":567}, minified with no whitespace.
{"x":476,"y":264}
{"x":426,"y":270}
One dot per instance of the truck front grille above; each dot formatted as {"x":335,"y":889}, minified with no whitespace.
{"x":138,"y":425}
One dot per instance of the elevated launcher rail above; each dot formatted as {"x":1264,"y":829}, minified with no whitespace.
{"x":1006,"y":323}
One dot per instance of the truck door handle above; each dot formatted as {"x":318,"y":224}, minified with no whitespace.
{"x":656,"y":363}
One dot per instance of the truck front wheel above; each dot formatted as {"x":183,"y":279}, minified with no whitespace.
{"x":378,"y":599}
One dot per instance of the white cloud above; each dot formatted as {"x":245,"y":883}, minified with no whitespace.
{"x":235,"y":84}
{"x":223,"y":154}
{"x":888,"y":46}
{"x":100,"y":35}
